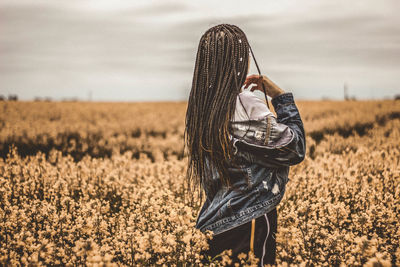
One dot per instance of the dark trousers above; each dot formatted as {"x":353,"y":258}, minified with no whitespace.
{"x":239,"y":239}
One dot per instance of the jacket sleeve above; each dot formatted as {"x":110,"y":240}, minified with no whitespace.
{"x":276,"y":140}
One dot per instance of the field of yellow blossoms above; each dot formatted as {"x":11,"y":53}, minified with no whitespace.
{"x":103,"y":184}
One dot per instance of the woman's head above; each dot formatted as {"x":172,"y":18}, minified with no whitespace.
{"x":220,"y":70}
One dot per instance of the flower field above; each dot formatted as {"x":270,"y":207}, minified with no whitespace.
{"x":103,"y":184}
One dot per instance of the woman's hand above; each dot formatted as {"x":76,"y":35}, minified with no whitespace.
{"x":271,"y":88}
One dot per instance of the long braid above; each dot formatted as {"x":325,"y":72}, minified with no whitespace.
{"x":220,"y":71}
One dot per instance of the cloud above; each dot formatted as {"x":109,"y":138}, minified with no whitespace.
{"x":50,"y":47}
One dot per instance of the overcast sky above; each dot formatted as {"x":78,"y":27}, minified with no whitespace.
{"x":123,"y":50}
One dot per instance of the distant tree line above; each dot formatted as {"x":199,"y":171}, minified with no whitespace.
{"x":46,"y":99}
{"x":14,"y":97}
{"x":9,"y":98}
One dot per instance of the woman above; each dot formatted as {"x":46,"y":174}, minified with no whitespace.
{"x":239,"y":152}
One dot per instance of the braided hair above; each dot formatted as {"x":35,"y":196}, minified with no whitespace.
{"x":219,"y":73}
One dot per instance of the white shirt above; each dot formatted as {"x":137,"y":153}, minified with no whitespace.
{"x":256,"y":107}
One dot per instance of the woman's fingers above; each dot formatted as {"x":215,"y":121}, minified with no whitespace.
{"x":252,"y":78}
{"x":255,"y":78}
{"x":254,"y":88}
